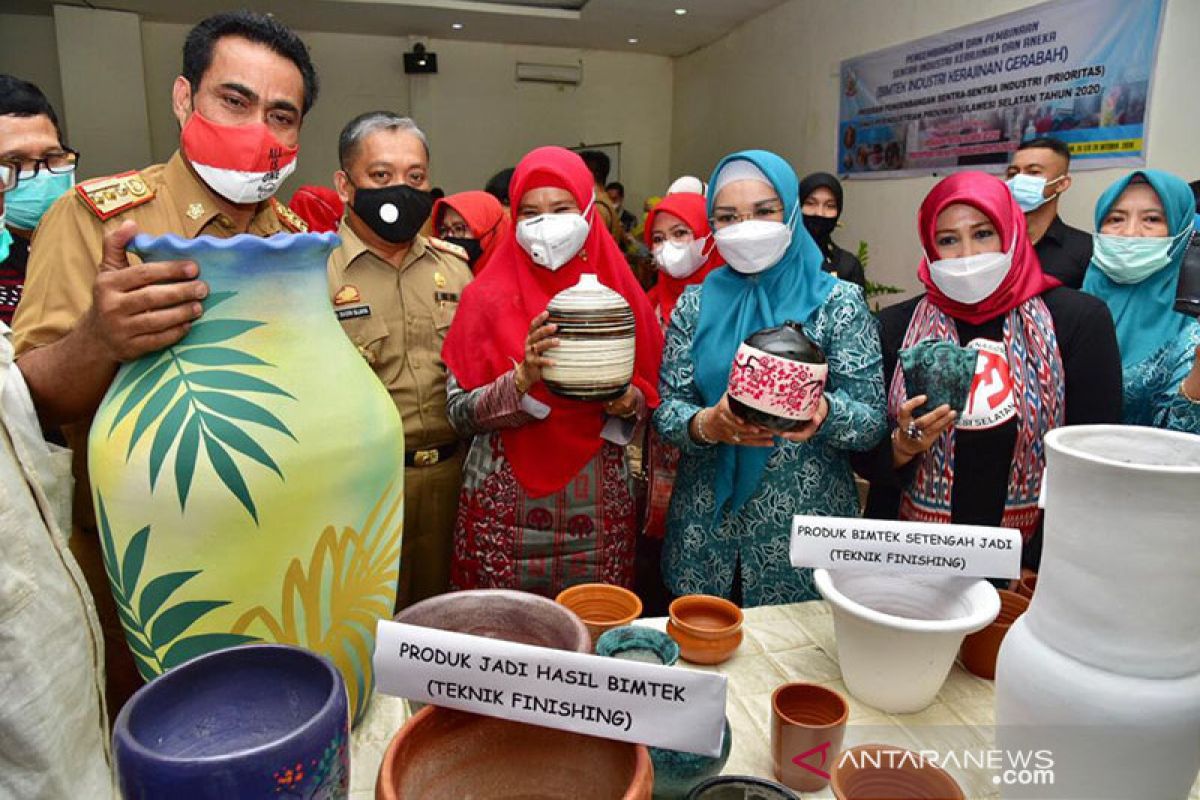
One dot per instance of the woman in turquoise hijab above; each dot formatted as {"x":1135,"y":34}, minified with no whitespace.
{"x":1144,"y":223}
{"x":738,"y":486}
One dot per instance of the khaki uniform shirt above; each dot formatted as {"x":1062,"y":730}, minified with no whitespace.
{"x":398,"y":319}
{"x":65,"y":254}
{"x":69,"y":241}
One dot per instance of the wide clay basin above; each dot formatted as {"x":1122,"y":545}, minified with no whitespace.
{"x":502,"y":614}
{"x":441,"y":753}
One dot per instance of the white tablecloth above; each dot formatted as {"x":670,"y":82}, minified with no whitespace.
{"x":781,"y":644}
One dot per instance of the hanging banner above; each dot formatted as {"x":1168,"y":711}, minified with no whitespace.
{"x":1077,"y":70}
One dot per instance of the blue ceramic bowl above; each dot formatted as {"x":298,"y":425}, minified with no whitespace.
{"x":638,"y":643}
{"x":255,"y":721}
{"x":676,"y":772}
{"x":741,"y":787}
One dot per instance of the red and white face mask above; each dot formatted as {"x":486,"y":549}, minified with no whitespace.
{"x":242,"y":163}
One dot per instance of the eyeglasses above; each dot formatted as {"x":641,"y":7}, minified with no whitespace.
{"x":723,"y":219}
{"x":456,"y":231}
{"x":58,"y":163}
{"x":679,"y":236}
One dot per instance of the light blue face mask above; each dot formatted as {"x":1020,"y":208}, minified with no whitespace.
{"x":1132,"y":259}
{"x":1028,"y":190}
{"x":5,"y":237}
{"x":32,"y":197}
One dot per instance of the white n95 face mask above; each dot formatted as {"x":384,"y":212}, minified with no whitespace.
{"x":755,"y":245}
{"x":971,"y":279}
{"x":552,"y":240}
{"x":681,"y":260}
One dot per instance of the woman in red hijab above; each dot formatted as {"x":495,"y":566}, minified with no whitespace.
{"x":471,"y":220}
{"x":678,"y":235}
{"x":547,"y":500}
{"x":1045,"y":356}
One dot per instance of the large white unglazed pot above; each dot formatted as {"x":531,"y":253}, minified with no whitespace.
{"x":1103,"y":670}
{"x":898,"y":634}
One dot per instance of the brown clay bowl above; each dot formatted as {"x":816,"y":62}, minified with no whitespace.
{"x":884,"y":772}
{"x":1027,"y":585}
{"x":443,"y":753}
{"x":502,"y":614}
{"x":601,"y":606}
{"x":707,"y":629}
{"x":979,"y":650}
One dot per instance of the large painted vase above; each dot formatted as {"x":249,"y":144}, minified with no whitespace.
{"x":248,"y":481}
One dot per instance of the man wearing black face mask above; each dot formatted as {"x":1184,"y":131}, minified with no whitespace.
{"x":821,"y":206}
{"x":395,"y":293}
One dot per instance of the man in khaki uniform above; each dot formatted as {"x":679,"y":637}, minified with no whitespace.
{"x":88,"y":306}
{"x":395,"y":293}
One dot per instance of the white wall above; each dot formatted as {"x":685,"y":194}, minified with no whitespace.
{"x":29,"y":50}
{"x":477,"y":117}
{"x":108,"y":122}
{"x":773,"y":83}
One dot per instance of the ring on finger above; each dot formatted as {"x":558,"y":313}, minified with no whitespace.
{"x":913,"y":431}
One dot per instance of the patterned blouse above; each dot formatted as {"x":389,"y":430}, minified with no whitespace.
{"x":1151,"y":387}
{"x":505,"y":539}
{"x":813,"y":477}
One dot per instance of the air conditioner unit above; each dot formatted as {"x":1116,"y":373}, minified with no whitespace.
{"x":562,"y":74}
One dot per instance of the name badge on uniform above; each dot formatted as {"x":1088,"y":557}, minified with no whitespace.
{"x":353,"y":313}
{"x":445,"y":297}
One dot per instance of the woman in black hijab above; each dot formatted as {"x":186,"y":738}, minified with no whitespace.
{"x":821,"y":205}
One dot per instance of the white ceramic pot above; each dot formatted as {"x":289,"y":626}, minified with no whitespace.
{"x":898,"y":635}
{"x":1104,"y":668}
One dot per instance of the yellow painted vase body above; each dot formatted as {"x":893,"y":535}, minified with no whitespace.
{"x":248,"y":481}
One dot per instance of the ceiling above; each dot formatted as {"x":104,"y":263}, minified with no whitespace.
{"x":590,"y":24}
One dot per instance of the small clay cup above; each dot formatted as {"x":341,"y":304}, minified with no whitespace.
{"x":740,"y":787}
{"x":708,"y":629}
{"x":601,"y":606}
{"x":884,"y":772}
{"x":637,"y":643}
{"x":806,"y":720}
{"x":1027,"y":585}
{"x":979,"y":650}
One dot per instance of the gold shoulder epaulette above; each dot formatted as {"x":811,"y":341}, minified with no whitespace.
{"x":290,"y":219}
{"x":448,"y":247}
{"x":107,"y":197}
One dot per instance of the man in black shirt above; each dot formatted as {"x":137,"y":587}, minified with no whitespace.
{"x":1037,"y":176}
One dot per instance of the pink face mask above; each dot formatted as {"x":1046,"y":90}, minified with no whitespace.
{"x":242,"y":163}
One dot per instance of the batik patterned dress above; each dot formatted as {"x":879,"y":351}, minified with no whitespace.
{"x":702,"y":547}
{"x":1151,"y":386}
{"x":505,"y":539}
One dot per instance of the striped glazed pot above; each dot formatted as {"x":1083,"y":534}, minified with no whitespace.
{"x":594,"y":360}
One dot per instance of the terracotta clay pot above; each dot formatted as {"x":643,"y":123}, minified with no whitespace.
{"x":443,"y":753}
{"x":601,"y":606}
{"x":979,"y":650}
{"x":708,"y":629}
{"x":884,"y":772}
{"x":1027,"y":585}
{"x":502,"y":614}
